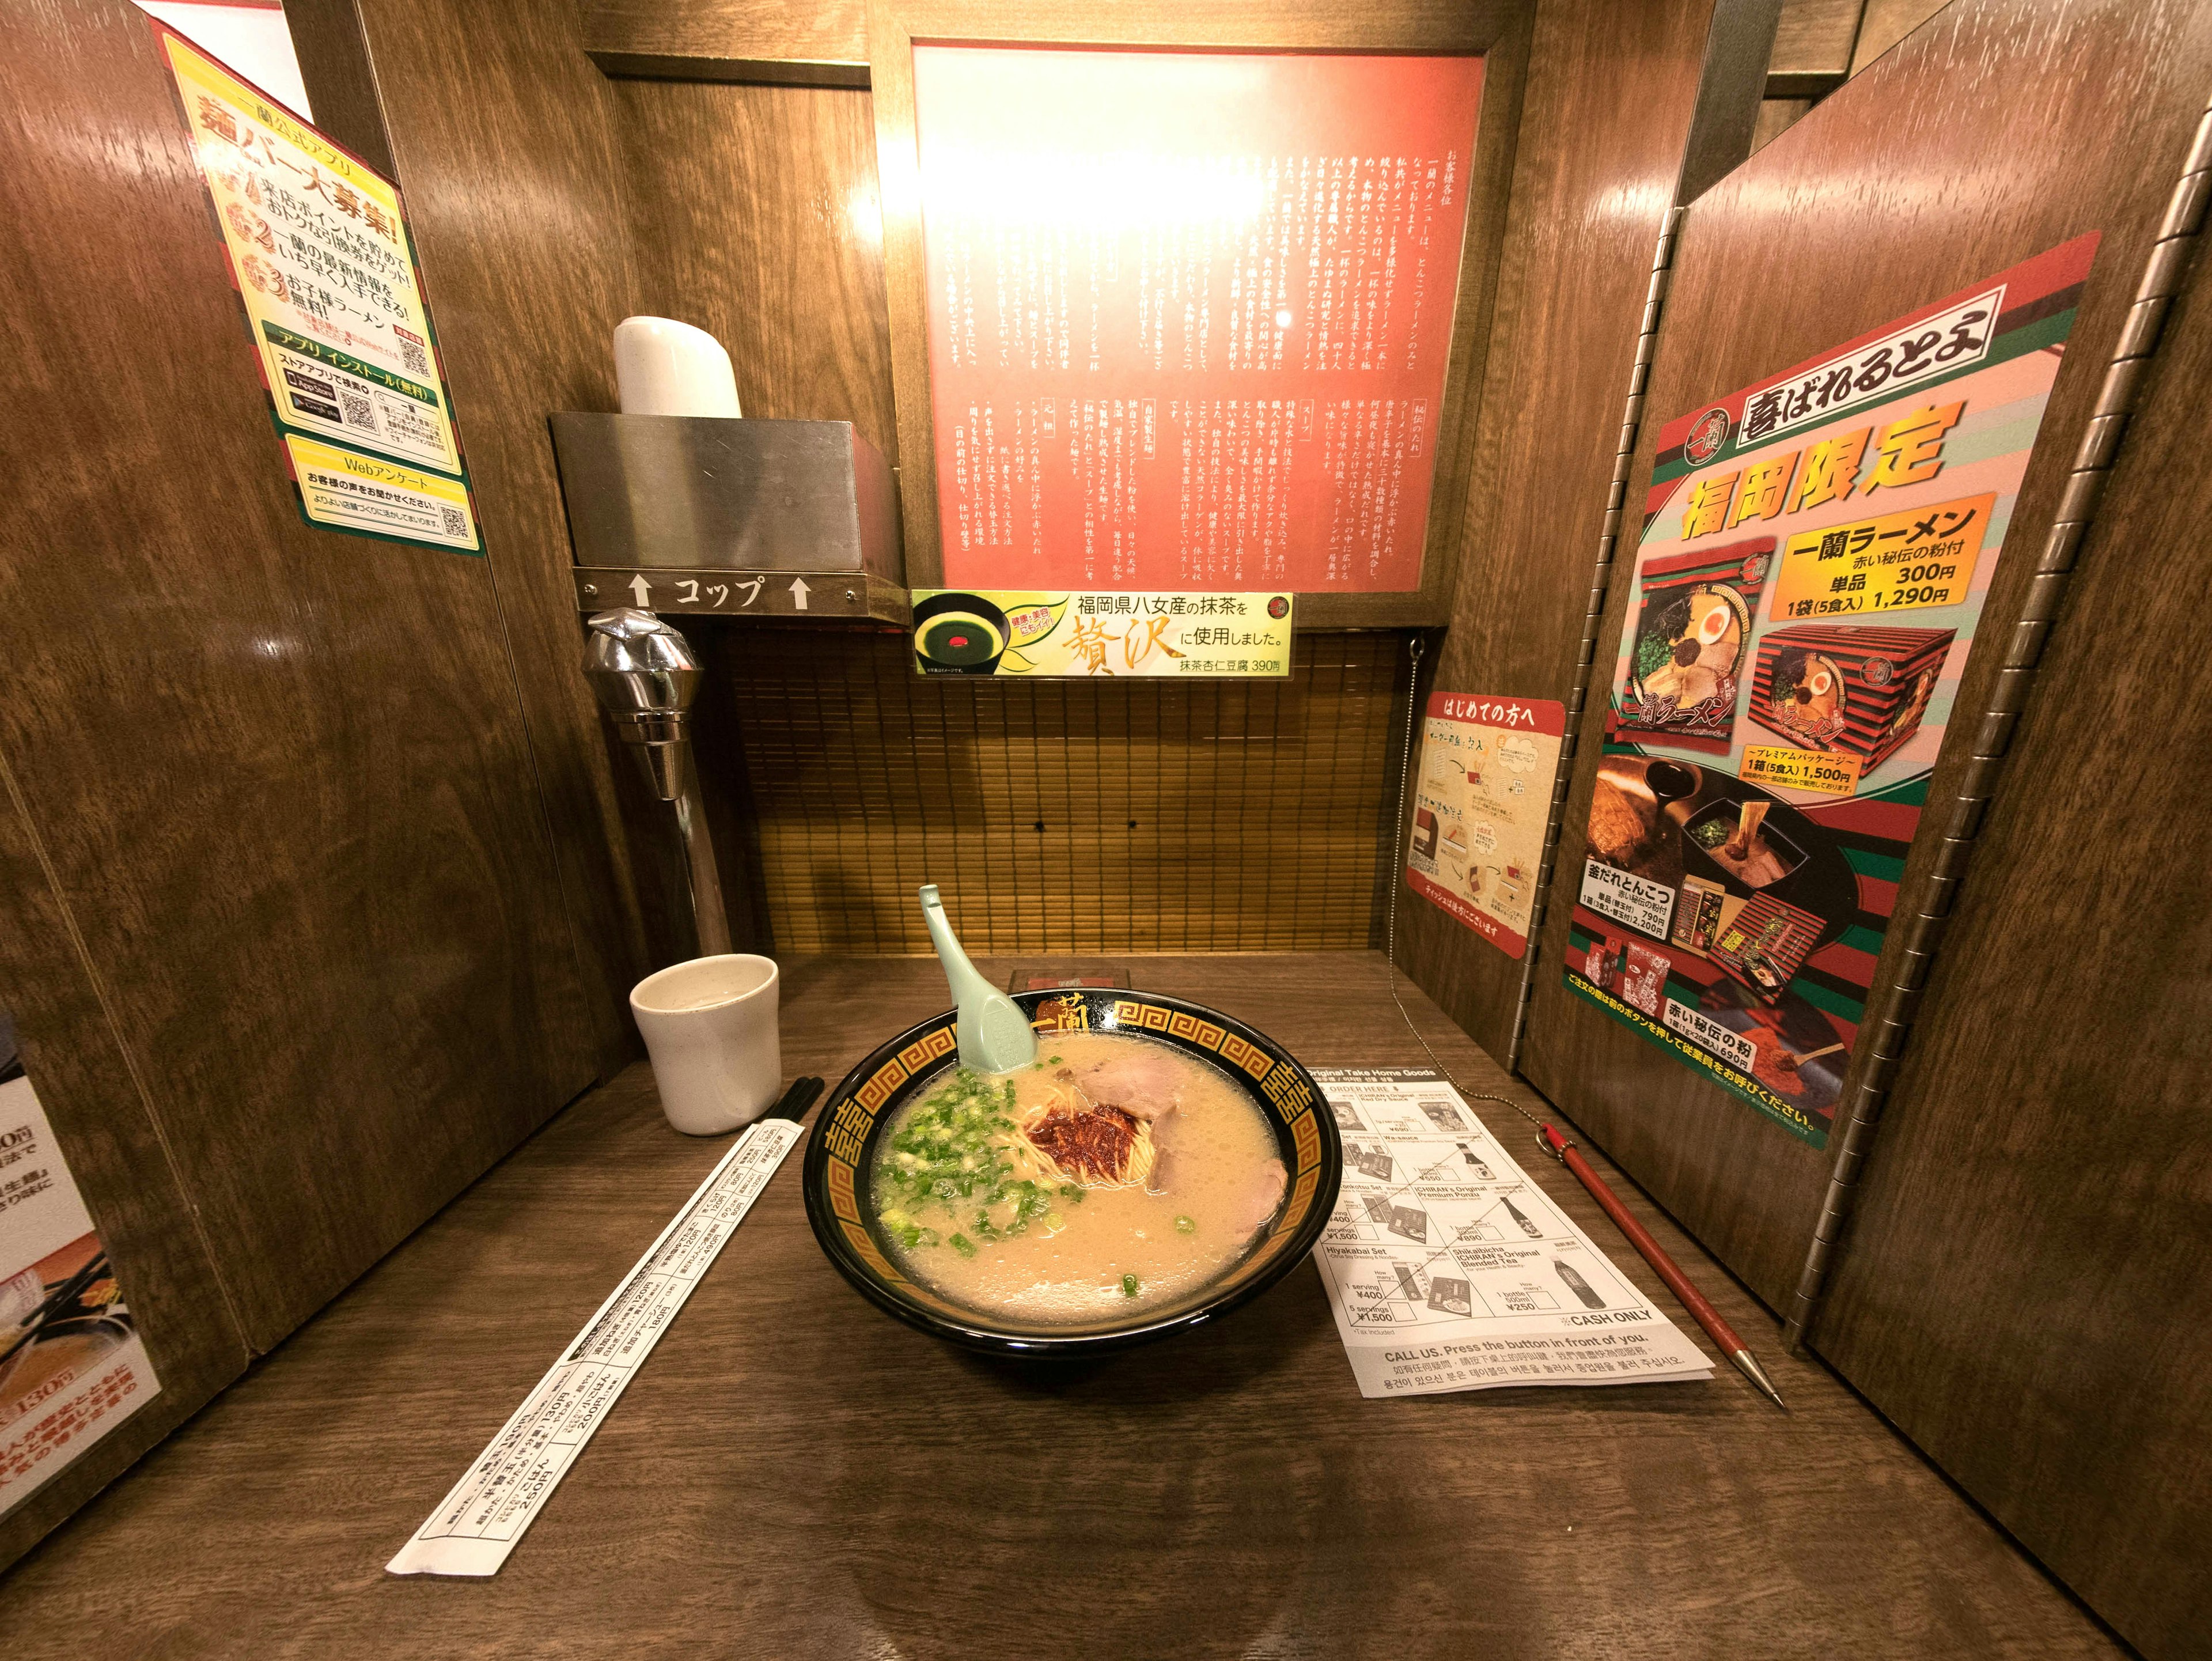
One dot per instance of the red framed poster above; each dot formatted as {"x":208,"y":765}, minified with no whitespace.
{"x":1189,"y":313}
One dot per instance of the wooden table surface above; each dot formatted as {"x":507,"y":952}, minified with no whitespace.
{"x":794,"y":1474}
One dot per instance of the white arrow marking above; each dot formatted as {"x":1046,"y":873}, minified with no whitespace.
{"x":798,"y":591}
{"x":643,"y":589}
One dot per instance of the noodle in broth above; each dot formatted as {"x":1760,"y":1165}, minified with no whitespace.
{"x":1116,"y":1173}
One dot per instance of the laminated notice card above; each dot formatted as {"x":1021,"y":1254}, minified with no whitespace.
{"x":1481,"y":798}
{"x":1044,"y":635}
{"x":1448,"y":1269}
{"x":72,"y":1365}
{"x":1816,"y":551}
{"x":1189,"y":313}
{"x":321,"y":258}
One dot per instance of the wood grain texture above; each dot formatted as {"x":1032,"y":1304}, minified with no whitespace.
{"x":753,"y":212}
{"x":99,"y":1108}
{"x":1815,"y":37}
{"x":278,"y":775}
{"x":795,"y":1474}
{"x":720,"y":40}
{"x":508,"y":160}
{"x":1887,"y":22}
{"x":1776,"y":116}
{"x":1606,"y":114}
{"x":1499,"y":29}
{"x":1915,"y":195}
{"x":2023,"y":1290}
{"x":1061,"y":816}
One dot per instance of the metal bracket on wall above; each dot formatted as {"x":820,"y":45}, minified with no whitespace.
{"x":774,"y":596}
{"x":2162,"y":278}
{"x":1608,"y":543}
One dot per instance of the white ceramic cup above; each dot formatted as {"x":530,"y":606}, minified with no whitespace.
{"x":710,"y":1027}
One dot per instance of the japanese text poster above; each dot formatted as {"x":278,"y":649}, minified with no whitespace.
{"x":1815,"y":554}
{"x":72,"y":1365}
{"x":320,"y":257}
{"x":1189,"y":313}
{"x":1482,"y":796}
{"x":1080,"y":636}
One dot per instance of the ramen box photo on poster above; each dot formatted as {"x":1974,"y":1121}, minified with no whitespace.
{"x":1836,"y":687}
{"x":1692,"y":635}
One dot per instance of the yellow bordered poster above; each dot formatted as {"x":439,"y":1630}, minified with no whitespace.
{"x":348,"y":491}
{"x":321,"y":258}
{"x":1063,"y":636}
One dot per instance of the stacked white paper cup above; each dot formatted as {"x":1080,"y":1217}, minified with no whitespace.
{"x":664,"y":367}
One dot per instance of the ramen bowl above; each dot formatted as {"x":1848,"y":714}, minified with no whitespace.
{"x":841,"y":1158}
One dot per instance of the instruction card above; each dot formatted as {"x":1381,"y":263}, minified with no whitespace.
{"x":1448,"y":1269}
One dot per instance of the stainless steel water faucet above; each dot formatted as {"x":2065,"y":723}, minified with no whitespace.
{"x":645,"y":676}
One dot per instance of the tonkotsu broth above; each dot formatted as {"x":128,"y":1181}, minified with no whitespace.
{"x":1072,"y":1260}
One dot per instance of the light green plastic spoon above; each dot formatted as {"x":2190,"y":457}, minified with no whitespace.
{"x":995,"y":1036}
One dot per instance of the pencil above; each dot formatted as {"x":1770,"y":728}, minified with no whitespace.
{"x":1654,"y":1253}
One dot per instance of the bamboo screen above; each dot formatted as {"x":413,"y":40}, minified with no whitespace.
{"x":1062,"y":816}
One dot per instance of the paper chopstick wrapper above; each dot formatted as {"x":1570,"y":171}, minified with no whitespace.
{"x":478,"y":1522}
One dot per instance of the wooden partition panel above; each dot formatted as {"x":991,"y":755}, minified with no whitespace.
{"x":2024,"y":1290}
{"x":504,"y":140}
{"x":1965,"y":150}
{"x":94,"y":1097}
{"x":1605,"y":116}
{"x":278,"y":777}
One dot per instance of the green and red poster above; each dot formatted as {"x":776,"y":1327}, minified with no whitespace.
{"x":1816,"y":551}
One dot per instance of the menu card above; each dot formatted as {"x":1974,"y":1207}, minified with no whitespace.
{"x":1448,"y":1269}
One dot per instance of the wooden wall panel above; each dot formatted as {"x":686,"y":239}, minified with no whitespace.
{"x":1067,"y":816}
{"x":2024,"y":1290}
{"x":1956,"y":156}
{"x":1605,"y":117}
{"x":503,"y":138}
{"x":824,"y":41}
{"x":837,"y":779}
{"x":753,"y":212}
{"x":278,"y":775}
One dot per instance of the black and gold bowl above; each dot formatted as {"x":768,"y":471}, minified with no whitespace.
{"x":841,"y":1156}
{"x":957,"y":634}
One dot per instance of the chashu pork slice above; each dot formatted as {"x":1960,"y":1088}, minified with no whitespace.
{"x":1143,"y":1083}
{"x":1260,"y":1197}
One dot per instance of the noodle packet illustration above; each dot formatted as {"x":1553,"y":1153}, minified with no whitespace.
{"x":1847,"y":688}
{"x":1692,"y":636}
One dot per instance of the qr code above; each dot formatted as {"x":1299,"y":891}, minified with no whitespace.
{"x":358,"y":412}
{"x":417,"y":360}
{"x":456,"y":523}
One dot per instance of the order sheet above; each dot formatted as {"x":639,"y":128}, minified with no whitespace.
{"x":1448,"y":1269}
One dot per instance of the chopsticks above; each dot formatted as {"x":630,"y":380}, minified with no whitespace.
{"x":795,"y":1101}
